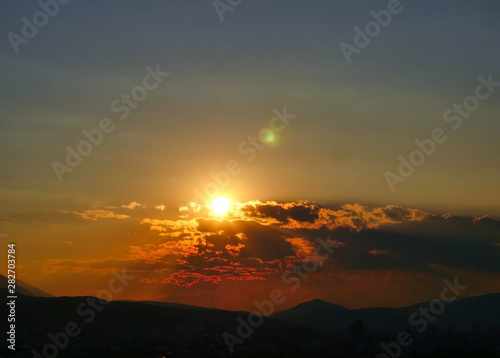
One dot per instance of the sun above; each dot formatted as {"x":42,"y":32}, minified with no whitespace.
{"x":220,"y":205}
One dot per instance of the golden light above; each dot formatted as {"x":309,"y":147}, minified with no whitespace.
{"x":220,"y":205}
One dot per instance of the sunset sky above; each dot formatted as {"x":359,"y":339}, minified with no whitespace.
{"x":265,"y":109}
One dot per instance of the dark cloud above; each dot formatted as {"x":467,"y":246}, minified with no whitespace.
{"x":283,"y":212}
{"x":263,"y":239}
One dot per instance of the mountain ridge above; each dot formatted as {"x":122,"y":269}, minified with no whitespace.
{"x":24,"y":288}
{"x":459,"y":314}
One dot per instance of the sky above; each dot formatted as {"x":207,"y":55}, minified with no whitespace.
{"x":372,"y":125}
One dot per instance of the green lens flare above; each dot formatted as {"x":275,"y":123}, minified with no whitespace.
{"x":270,"y":138}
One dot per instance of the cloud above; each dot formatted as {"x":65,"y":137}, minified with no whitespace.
{"x":99,"y":214}
{"x":379,"y":252}
{"x":283,"y":213}
{"x":259,"y":240}
{"x":132,"y":205}
{"x":185,"y":278}
{"x":94,"y":266}
{"x":359,"y":217}
{"x":170,"y":250}
{"x":487,"y":220}
{"x":303,"y":215}
{"x":301,"y":246}
{"x":160,"y":207}
{"x":173,"y":227}
{"x":192,"y":208}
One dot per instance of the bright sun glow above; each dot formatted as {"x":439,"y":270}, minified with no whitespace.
{"x":220,"y":205}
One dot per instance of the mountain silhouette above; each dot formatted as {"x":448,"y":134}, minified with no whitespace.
{"x":460,"y":314}
{"x":315,"y":312}
{"x":148,"y":329}
{"x":24,"y":288}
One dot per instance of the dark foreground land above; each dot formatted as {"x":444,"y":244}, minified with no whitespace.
{"x":85,"y":327}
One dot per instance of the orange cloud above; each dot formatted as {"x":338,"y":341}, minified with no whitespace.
{"x":173,"y":227}
{"x":359,"y":217}
{"x":99,"y":214}
{"x":234,"y":250}
{"x":169,"y":249}
{"x":132,"y":205}
{"x":214,"y":275}
{"x":302,"y":247}
{"x":303,"y":215}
